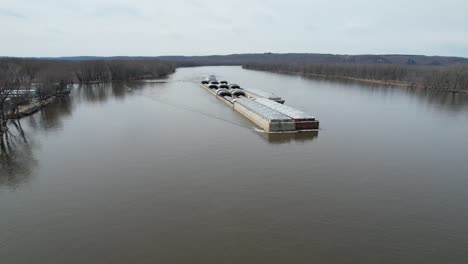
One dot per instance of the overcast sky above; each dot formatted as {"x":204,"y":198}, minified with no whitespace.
{"x":202,"y":27}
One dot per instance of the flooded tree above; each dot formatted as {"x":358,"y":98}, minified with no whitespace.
{"x":10,"y":80}
{"x":16,"y":156}
{"x":53,"y":79}
{"x":46,"y":78}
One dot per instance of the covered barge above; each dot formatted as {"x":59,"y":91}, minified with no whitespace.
{"x":264,"y":109}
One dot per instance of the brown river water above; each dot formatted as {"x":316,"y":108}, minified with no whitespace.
{"x":163,"y":172}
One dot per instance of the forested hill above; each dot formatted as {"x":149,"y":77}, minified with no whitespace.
{"x":296,"y":58}
{"x":431,"y":72}
{"x":310,"y":58}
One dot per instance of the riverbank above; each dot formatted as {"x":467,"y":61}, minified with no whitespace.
{"x":28,"y":109}
{"x":382,"y":82}
{"x":32,"y":107}
{"x":403,"y":84}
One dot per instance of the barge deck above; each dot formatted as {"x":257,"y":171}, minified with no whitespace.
{"x":271,"y":116}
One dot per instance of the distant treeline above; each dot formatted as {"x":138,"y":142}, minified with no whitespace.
{"x":314,"y":58}
{"x":121,"y":70}
{"x":448,"y":78}
{"x":42,"y":70}
{"x":298,"y":58}
{"x":54,"y":77}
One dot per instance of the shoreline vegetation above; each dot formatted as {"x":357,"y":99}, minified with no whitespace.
{"x":27,"y":84}
{"x":324,"y":76}
{"x":453,"y":79}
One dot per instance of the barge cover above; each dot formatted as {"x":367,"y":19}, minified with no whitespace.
{"x":262,"y":110}
{"x":284,"y":109}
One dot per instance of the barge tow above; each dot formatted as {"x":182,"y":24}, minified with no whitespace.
{"x":264,"y":109}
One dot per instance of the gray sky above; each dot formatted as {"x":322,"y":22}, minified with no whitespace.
{"x":202,"y":27}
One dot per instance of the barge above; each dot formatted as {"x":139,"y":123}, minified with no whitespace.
{"x":264,"y":109}
{"x":254,"y":93}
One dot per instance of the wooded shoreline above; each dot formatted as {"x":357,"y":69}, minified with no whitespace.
{"x":453,"y":79}
{"x":323,"y":76}
{"x":53,"y":77}
{"x":26,"y":85}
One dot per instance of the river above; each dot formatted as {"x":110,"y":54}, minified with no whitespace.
{"x":163,"y":172}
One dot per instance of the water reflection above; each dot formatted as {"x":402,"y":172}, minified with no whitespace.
{"x":446,"y":100}
{"x":239,"y":192}
{"x":440,"y":99}
{"x":100,"y":92}
{"x":52,"y":116}
{"x":280,"y":138}
{"x":16,"y":157}
{"x":95,"y":93}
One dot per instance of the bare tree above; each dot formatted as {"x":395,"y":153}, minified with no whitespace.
{"x":432,"y":78}
{"x":10,"y":81}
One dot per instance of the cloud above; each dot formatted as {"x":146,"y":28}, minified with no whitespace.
{"x":118,"y":11}
{"x":10,"y":13}
{"x":198,"y":27}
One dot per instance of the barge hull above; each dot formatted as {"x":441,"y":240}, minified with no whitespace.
{"x":268,"y":119}
{"x":302,"y":120}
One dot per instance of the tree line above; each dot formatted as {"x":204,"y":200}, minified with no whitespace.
{"x":50,"y":77}
{"x":121,"y":70}
{"x":450,"y":78}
